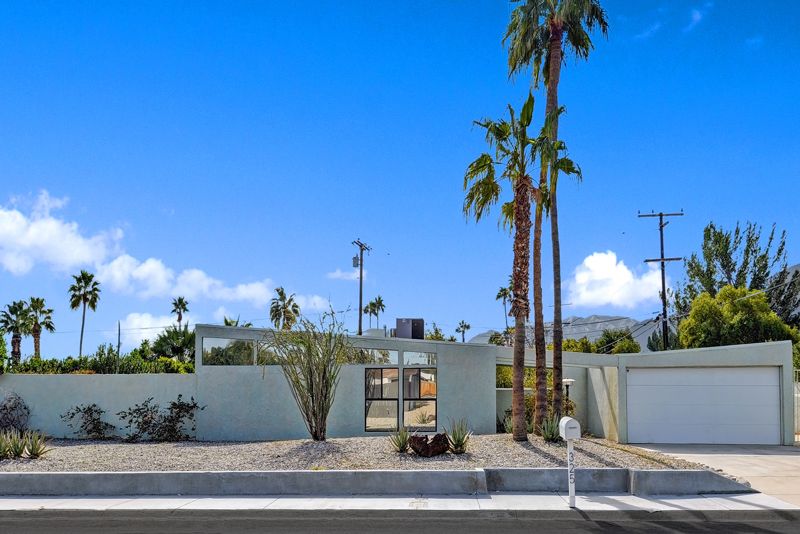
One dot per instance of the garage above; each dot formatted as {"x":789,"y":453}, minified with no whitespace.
{"x":736,"y":405}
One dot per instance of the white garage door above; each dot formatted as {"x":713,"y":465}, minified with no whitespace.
{"x":704,"y":405}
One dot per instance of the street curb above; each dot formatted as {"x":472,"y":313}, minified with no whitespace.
{"x":375,"y":482}
{"x":298,"y":516}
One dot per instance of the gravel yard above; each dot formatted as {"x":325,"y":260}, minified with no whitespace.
{"x":497,"y":450}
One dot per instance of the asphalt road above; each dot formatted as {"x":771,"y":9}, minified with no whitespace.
{"x":231,"y":522}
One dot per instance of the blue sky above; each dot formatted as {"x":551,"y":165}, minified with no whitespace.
{"x":220,"y":149}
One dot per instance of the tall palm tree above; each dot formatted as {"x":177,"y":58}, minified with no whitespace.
{"x":180,"y":306}
{"x":380,"y":307}
{"x":510,"y":143}
{"x":369,"y":310}
{"x":83,"y":293}
{"x":283,"y":311}
{"x":229,"y":321}
{"x":41,"y":319}
{"x":16,"y":319}
{"x":504,"y":294}
{"x":462,"y":328}
{"x":536,"y":36}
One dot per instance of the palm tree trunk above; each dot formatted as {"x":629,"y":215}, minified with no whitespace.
{"x":36,"y":333}
{"x":16,"y":349}
{"x":83,"y":322}
{"x":505,"y":312}
{"x":555,"y":53}
{"x":538,"y":327}
{"x":520,"y":306}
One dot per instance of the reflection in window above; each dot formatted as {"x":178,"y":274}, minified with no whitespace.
{"x":425,"y":359}
{"x":265,"y":355}
{"x":381,"y":389}
{"x":375,"y":356}
{"x":381,"y":416}
{"x":218,"y":351}
{"x":419,"y":396}
{"x":420,"y":415}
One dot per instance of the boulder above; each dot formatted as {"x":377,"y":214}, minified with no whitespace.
{"x":423,"y":447}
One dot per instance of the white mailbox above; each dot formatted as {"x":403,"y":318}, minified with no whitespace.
{"x":569,"y":428}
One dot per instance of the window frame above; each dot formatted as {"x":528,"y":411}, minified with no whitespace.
{"x":420,"y":398}
{"x":380,"y":397}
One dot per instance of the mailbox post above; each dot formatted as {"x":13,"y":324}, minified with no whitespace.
{"x":569,"y":429}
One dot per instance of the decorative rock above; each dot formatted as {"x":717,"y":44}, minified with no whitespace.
{"x":436,"y":446}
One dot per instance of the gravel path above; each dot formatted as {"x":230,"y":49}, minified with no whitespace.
{"x":496,"y":450}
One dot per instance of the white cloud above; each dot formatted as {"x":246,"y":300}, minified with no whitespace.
{"x":697,"y":15}
{"x":220,"y":314}
{"x":26,"y":240}
{"x":312,"y":303}
{"x":602,"y":280}
{"x":136,"y":327}
{"x":338,"y":274}
{"x":649,"y":31}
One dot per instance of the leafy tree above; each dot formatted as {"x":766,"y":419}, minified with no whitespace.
{"x":536,"y":36}
{"x":180,"y":306}
{"x":734,"y":316}
{"x":796,"y":356}
{"x":462,"y":328}
{"x":512,"y":153}
{"x":16,"y":319}
{"x":742,"y":258}
{"x":616,"y":341}
{"x":578,"y":345}
{"x":655,"y":342}
{"x":83,"y":293}
{"x":435,"y":333}
{"x":175,"y":342}
{"x":229,"y":321}
{"x":284,"y":311}
{"x":503,"y":338}
{"x":41,"y":319}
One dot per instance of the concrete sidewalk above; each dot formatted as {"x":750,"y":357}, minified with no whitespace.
{"x":549,"y":502}
{"x":770,"y":469}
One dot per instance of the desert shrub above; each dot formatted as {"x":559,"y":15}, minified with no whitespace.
{"x":399,"y":440}
{"x":549,"y":430}
{"x":458,"y":436}
{"x":147,"y":420}
{"x":91,"y":424}
{"x":14,"y":413}
{"x":311,"y":359}
{"x":139,"y":419}
{"x":171,"y":425}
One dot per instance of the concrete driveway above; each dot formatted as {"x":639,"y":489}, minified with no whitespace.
{"x":770,"y":469}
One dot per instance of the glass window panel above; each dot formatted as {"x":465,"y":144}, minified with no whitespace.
{"x":419,"y":358}
{"x":381,"y":415}
{"x":420,"y":415}
{"x":218,"y":351}
{"x":427,"y":383}
{"x":410,"y":383}
{"x":391,"y":383}
{"x":375,"y":356}
{"x":373,"y":384}
{"x":265,"y":355}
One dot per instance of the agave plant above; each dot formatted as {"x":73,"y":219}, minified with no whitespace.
{"x":16,"y":444}
{"x":549,"y":430}
{"x":36,"y":443}
{"x":458,"y":436}
{"x":399,"y":440}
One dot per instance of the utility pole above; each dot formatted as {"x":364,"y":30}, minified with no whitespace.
{"x":663,"y":261}
{"x":358,"y":261}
